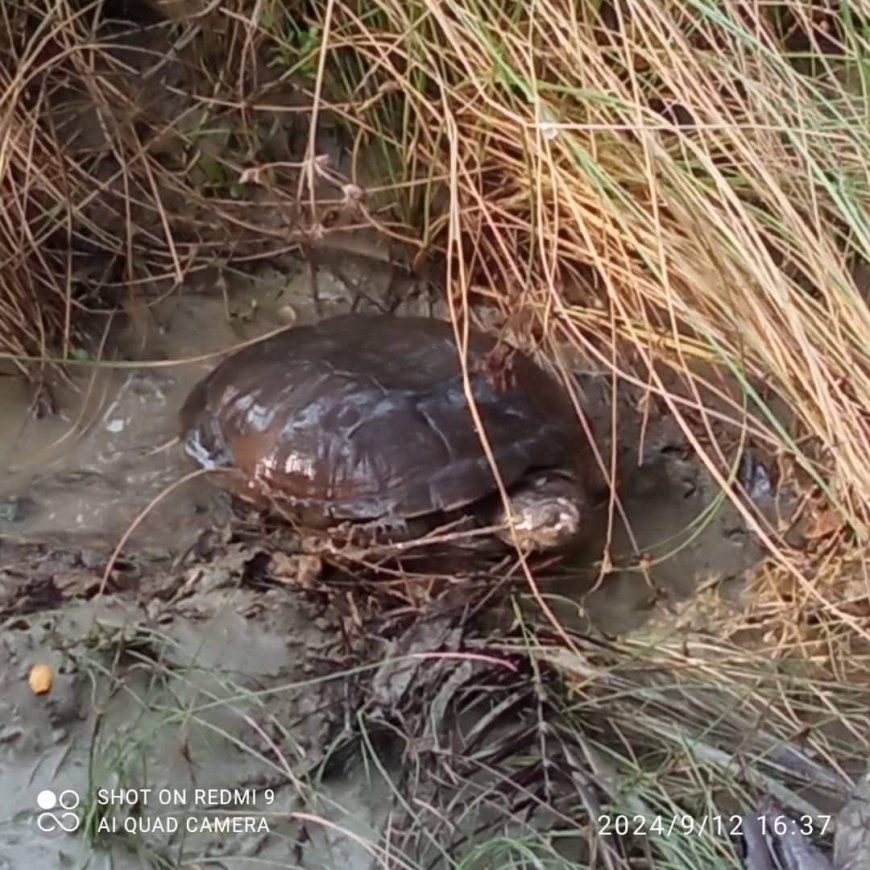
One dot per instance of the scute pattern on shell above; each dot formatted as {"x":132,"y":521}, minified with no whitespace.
{"x":365,"y":416}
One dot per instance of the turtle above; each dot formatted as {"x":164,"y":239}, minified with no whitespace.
{"x":364,"y":419}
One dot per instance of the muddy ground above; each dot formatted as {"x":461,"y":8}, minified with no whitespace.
{"x":220,"y":655}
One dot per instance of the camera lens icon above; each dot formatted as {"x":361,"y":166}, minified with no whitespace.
{"x":58,"y":811}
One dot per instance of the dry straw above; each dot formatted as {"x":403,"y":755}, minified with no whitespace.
{"x":663,"y":178}
{"x":677,"y":191}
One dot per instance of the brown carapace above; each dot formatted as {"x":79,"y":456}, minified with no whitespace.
{"x":365,"y":419}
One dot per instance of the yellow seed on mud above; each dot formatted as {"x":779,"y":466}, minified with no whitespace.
{"x":40,"y":679}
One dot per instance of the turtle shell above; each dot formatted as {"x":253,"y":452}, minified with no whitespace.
{"x":361,"y":417}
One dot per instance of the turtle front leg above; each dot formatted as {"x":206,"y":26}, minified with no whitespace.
{"x":372,"y":533}
{"x":547,"y":511}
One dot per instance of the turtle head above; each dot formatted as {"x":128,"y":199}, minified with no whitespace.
{"x":546,"y":512}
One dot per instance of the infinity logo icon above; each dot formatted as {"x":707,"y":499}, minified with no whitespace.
{"x":67,"y":820}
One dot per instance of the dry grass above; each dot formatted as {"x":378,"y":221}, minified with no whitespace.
{"x":680,"y":194}
{"x":122,"y":152}
{"x":509,"y":751}
{"x":524,"y":766}
{"x":657,"y":184}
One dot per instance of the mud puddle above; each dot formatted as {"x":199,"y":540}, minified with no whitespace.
{"x":194,"y":678}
